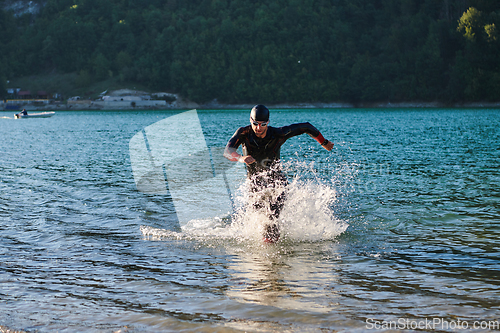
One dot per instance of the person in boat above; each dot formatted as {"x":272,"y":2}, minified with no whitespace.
{"x":261,"y":145}
{"x":22,"y":113}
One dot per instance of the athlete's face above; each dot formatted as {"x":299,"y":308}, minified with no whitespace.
{"x":259,"y":127}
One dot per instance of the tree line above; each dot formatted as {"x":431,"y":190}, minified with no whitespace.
{"x":273,"y":51}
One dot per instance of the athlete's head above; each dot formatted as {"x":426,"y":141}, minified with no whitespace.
{"x":259,"y":118}
{"x":259,"y":113}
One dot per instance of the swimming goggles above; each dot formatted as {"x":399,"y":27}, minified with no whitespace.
{"x":262,"y":124}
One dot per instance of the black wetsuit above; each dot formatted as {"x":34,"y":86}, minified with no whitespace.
{"x":266,"y":172}
{"x":266,"y":151}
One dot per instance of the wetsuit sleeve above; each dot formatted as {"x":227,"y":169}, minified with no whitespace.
{"x":298,"y":129}
{"x":230,"y":151}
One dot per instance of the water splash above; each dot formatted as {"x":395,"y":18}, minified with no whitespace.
{"x":307,"y":214}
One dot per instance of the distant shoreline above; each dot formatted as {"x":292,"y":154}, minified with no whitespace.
{"x":132,"y":99}
{"x":183,"y":105}
{"x":387,"y":105}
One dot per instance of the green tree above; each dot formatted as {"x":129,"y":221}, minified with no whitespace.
{"x":123,"y":60}
{"x":100,"y":66}
{"x":84,"y":79}
{"x":267,"y":51}
{"x":470,"y":24}
{"x":3,"y":86}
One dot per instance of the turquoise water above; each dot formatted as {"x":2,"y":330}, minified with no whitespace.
{"x":397,"y":227}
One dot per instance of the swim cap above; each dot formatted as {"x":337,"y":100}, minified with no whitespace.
{"x":259,"y":113}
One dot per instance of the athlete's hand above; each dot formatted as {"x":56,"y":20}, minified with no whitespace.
{"x":247,"y":159}
{"x":328,"y":146}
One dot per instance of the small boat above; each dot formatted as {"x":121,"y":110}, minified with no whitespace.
{"x":34,"y":115}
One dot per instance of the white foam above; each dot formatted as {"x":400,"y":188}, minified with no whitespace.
{"x":307,"y":215}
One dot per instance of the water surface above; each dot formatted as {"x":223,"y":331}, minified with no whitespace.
{"x":407,"y":229}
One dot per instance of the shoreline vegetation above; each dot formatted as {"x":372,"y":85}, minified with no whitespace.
{"x":63,"y":107}
{"x":182,"y":104}
{"x":113,"y":95}
{"x":229,"y":53}
{"x":188,"y":106}
{"x":132,"y":99}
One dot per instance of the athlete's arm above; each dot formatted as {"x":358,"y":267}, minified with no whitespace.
{"x":297,"y":129}
{"x":328,"y":145}
{"x":231,"y":153}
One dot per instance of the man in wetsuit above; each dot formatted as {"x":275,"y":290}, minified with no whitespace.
{"x":261,"y":153}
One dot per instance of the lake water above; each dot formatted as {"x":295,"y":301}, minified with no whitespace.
{"x":396,"y":229}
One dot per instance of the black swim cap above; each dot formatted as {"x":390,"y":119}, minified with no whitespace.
{"x":259,"y":113}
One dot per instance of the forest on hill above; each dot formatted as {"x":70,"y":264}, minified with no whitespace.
{"x":272,"y":51}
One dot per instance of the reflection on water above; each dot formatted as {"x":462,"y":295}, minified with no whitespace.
{"x":271,"y":275}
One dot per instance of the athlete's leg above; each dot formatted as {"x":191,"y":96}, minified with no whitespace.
{"x":277,"y":205}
